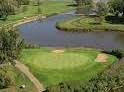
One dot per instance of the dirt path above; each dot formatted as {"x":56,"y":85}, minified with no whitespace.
{"x":24,"y":69}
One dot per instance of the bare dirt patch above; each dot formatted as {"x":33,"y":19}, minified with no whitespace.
{"x":58,"y":51}
{"x":102,"y":57}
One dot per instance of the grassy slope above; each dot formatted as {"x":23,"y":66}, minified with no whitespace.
{"x":86,"y":24}
{"x":47,"y":8}
{"x":18,"y":79}
{"x":52,"y":68}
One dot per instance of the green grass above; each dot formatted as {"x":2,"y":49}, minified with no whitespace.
{"x":87,"y":24}
{"x":18,"y":79}
{"x":73,"y":64}
{"x":47,"y":8}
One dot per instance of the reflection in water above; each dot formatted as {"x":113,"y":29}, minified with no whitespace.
{"x":120,"y":38}
{"x":46,"y":34}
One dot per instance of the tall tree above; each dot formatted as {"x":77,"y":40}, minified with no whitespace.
{"x":6,"y":7}
{"x":116,"y":7}
{"x":101,"y":8}
{"x":10,"y":45}
{"x":9,"y":6}
{"x":101,"y":11}
{"x":83,"y":2}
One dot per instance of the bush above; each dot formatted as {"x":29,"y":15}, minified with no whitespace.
{"x":25,"y":2}
{"x":117,"y":53}
{"x":115,"y":19}
{"x":5,"y":77}
{"x":10,"y":45}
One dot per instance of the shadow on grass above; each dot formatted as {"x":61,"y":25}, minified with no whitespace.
{"x":116,"y":53}
{"x":72,"y":5}
{"x":115,"y":19}
{"x":95,"y":23}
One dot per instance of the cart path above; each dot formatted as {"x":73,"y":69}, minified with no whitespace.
{"x":24,"y":69}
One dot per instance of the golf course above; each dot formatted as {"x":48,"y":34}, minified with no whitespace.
{"x":53,"y":66}
{"x":61,"y":45}
{"x":89,"y":23}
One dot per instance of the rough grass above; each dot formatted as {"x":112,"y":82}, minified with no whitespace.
{"x":18,"y":79}
{"x":73,"y":64}
{"x":88,"y":24}
{"x":47,"y":8}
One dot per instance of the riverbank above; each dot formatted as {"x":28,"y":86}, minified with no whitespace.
{"x":47,"y":8}
{"x":86,"y":24}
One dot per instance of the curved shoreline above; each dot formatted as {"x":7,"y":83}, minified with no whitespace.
{"x":25,"y":20}
{"x":86,"y":30}
{"x":30,"y":19}
{"x":21,"y":21}
{"x":77,"y":25}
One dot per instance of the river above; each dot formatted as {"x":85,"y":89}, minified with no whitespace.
{"x":44,"y":33}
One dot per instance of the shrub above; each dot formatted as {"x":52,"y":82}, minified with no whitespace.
{"x":5,"y":77}
{"x":116,"y":53}
{"x":10,"y":45}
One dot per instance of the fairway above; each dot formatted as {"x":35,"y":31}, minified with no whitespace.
{"x":54,"y":66}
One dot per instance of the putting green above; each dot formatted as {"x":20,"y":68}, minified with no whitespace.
{"x":52,"y":67}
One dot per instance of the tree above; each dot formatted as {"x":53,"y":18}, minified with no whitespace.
{"x":10,"y":45}
{"x":9,"y":6}
{"x":101,"y":8}
{"x":101,"y":11}
{"x":116,"y":7}
{"x":83,"y":2}
{"x":5,"y":8}
{"x":24,"y":2}
{"x":38,"y":3}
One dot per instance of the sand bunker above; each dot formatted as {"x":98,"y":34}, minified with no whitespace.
{"x":102,"y":57}
{"x":58,"y":51}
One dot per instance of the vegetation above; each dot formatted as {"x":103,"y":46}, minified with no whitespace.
{"x":85,"y":23}
{"x":116,"y":7}
{"x":101,"y":12}
{"x":109,"y":81}
{"x":109,"y":16}
{"x":83,"y":2}
{"x":6,"y":79}
{"x":8,"y":7}
{"x":52,"y":67}
{"x":118,"y":53}
{"x":10,"y":48}
{"x":11,"y":80}
{"x":46,"y":8}
{"x":10,"y":45}
{"x":65,"y":70}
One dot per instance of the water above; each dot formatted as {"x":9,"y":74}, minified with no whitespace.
{"x":44,"y":33}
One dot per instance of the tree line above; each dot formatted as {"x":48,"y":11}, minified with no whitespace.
{"x":9,"y":7}
{"x":115,"y":7}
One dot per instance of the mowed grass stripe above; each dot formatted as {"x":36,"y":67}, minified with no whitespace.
{"x":52,"y":68}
